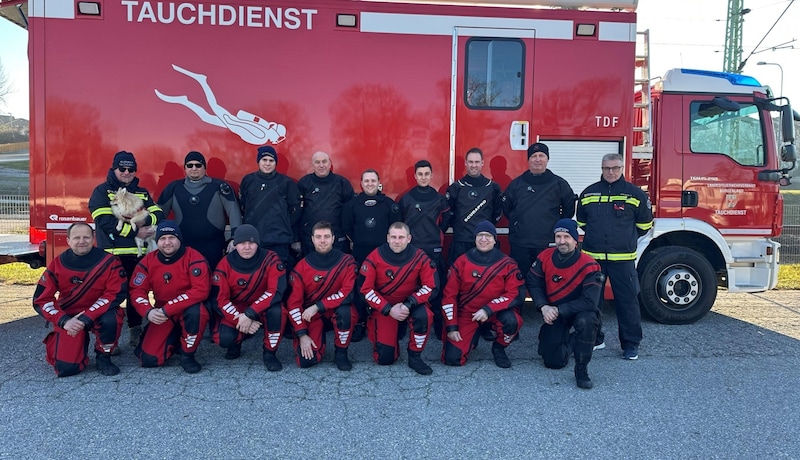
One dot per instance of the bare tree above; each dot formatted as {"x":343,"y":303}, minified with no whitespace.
{"x":5,"y":85}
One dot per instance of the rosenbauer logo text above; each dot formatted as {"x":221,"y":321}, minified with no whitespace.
{"x":219,"y":15}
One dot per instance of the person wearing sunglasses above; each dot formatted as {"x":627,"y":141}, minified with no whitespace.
{"x":122,"y":242}
{"x":613,"y":214}
{"x":202,"y":207}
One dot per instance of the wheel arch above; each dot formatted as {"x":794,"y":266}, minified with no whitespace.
{"x":689,"y":233}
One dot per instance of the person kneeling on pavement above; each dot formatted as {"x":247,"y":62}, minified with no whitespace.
{"x":322,"y":286}
{"x":81,"y":291}
{"x":178,"y":277}
{"x":566,"y":285}
{"x":484,"y":286}
{"x":249,"y":284}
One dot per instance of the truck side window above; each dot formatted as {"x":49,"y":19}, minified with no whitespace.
{"x":737,"y":134}
{"x":494,"y":73}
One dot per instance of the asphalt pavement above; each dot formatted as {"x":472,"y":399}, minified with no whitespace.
{"x":724,"y":387}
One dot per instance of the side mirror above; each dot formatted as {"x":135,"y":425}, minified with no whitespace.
{"x":787,"y":120}
{"x":788,"y":153}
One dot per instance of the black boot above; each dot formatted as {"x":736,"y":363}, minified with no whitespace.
{"x":105,"y":366}
{"x":234,"y":351}
{"x":271,"y":361}
{"x":487,"y":333}
{"x":582,"y":377}
{"x":189,"y":364}
{"x":342,"y":361}
{"x":500,"y":357}
{"x":415,"y":362}
{"x":359,"y":333}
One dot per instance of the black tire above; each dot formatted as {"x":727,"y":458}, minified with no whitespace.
{"x":678,"y":285}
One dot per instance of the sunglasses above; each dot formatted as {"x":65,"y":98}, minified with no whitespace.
{"x":194,"y":165}
{"x":123,"y":169}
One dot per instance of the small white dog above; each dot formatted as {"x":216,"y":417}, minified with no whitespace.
{"x":129,"y":208}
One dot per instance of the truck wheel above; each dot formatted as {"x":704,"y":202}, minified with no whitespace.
{"x":678,"y":285}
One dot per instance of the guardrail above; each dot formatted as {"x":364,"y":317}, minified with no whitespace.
{"x":14,"y":213}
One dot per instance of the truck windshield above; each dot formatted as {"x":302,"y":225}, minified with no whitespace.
{"x":736,"y":134}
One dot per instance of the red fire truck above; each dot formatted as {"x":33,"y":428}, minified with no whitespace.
{"x":381,"y":84}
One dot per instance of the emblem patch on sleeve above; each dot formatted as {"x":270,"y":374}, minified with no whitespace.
{"x":139,"y":279}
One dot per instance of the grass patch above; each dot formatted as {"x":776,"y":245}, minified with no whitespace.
{"x":20,"y":165}
{"x":19,"y":273}
{"x":789,"y":276}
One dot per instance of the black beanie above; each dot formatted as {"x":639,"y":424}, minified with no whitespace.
{"x":124,"y":159}
{"x":168,"y":227}
{"x":244,"y":233}
{"x":485,"y":226}
{"x":195,"y":156}
{"x":267,"y":151}
{"x":538,"y":147}
{"x":567,"y":226}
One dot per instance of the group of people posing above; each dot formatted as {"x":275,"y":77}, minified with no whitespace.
{"x":311,"y":256}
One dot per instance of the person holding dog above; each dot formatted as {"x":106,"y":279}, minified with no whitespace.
{"x":122,"y":242}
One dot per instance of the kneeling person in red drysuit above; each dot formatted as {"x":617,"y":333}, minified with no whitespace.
{"x":399,"y":280}
{"x":322,"y":292}
{"x":178,"y":277}
{"x":81,"y":291}
{"x":483,"y":286}
{"x":248,"y":286}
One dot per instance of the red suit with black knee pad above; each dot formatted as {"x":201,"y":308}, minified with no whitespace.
{"x":476,"y":281}
{"x":91,"y":286}
{"x":179,"y":285}
{"x":252,"y":287}
{"x":409,"y":278}
{"x":326,"y":280}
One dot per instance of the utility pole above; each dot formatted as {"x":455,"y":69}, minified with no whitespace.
{"x":733,"y":37}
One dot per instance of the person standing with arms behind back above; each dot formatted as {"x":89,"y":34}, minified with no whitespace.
{"x":323,"y":195}
{"x":202,"y":206}
{"x":427,"y":214}
{"x":366,"y":219}
{"x":122,"y":243}
{"x":472,"y":198}
{"x":271,"y":203}
{"x":614,"y":213}
{"x":533,"y":202}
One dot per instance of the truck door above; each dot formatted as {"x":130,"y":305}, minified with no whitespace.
{"x":491,"y":99}
{"x":726,"y":150}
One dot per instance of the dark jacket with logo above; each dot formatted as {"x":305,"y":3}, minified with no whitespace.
{"x":366,"y":221}
{"x":613,"y":216}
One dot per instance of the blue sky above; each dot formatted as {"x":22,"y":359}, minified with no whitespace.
{"x":684,"y":33}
